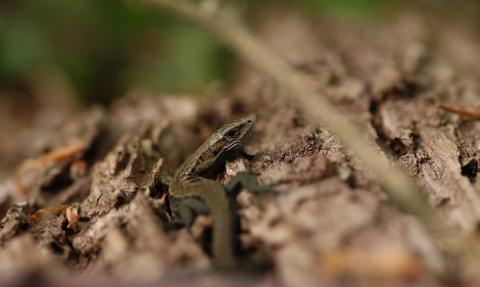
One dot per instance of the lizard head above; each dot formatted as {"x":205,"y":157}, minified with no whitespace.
{"x":237,"y":132}
{"x":230,"y":137}
{"x":222,"y":145}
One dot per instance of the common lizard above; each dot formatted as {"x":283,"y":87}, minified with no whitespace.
{"x":194,"y":189}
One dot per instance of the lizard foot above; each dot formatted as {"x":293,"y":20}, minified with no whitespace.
{"x":248,"y":181}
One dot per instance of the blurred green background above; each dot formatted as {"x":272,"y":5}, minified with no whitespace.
{"x":99,"y":48}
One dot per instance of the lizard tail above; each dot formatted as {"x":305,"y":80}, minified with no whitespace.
{"x":224,"y":220}
{"x":222,"y":212}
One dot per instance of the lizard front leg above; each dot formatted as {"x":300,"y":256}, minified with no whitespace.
{"x":185,"y":211}
{"x":248,"y":181}
{"x":221,"y":208}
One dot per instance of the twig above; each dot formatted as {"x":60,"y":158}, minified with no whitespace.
{"x":401,"y":189}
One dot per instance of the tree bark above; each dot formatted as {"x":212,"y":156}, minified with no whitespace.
{"x":327,"y":224}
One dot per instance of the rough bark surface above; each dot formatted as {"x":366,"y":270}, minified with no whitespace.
{"x":327,"y":224}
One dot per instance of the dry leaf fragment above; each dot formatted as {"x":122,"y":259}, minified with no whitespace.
{"x":69,"y":153}
{"x":384,"y":263}
{"x":462,"y":111}
{"x":38,"y":215}
{"x":62,"y":154}
{"x":72,"y":217}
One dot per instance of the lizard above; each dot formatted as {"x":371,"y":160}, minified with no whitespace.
{"x":194,"y":189}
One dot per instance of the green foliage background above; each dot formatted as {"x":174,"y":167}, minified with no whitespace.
{"x":101,"y":47}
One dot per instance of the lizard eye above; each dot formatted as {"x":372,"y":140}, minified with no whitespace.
{"x":232,"y":133}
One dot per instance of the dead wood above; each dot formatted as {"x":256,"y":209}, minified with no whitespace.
{"x":328,"y":224}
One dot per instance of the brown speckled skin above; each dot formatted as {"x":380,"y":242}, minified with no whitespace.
{"x":196,"y":179}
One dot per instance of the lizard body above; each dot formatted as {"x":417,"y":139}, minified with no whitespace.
{"x":194,"y":186}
